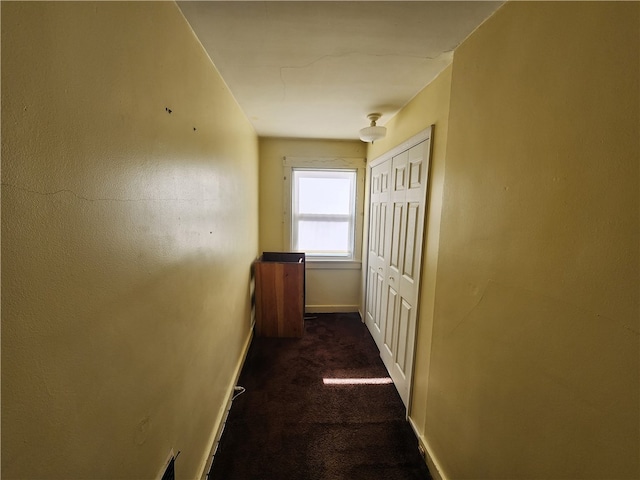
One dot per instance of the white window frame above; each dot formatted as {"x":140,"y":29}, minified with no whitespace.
{"x":320,"y":163}
{"x":348,"y":218}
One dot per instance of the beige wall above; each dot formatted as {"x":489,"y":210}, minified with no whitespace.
{"x":429,"y":107}
{"x":127,"y":238}
{"x":125,"y":263}
{"x":327,"y":289}
{"x":534,"y":361}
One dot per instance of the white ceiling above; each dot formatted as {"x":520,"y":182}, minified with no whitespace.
{"x":313,"y":69}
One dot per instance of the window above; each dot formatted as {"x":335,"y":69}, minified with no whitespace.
{"x":323,"y":212}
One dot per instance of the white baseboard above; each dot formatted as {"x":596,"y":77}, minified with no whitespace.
{"x":170,"y":457}
{"x":222,"y":415}
{"x":432,"y":463}
{"x":331,"y":308}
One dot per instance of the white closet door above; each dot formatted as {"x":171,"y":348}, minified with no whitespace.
{"x":394,"y":278}
{"x":378,"y":250}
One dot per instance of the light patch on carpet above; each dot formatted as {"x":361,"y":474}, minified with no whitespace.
{"x":357,"y":381}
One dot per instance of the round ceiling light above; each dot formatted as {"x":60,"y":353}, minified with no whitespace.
{"x":372,"y":132}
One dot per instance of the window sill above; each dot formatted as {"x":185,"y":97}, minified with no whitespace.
{"x":314,"y":264}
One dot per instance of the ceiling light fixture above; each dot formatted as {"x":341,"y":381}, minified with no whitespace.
{"x":372,"y":132}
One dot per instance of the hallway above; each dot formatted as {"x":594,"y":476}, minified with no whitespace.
{"x":137,"y":193}
{"x":289,"y":424}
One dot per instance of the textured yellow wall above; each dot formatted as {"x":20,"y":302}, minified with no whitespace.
{"x":429,"y":107}
{"x":325,"y":288}
{"x":127,"y":238}
{"x":534,"y":364}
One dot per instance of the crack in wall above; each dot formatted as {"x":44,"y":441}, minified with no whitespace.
{"x":346,"y":54}
{"x":88,"y":199}
{"x":632,"y":330}
{"x":551,"y":300}
{"x":471,"y":310}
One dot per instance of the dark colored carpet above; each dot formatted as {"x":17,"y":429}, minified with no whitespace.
{"x":289,"y":425}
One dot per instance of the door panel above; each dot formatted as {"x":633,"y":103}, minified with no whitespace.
{"x":411,"y":245}
{"x":415,"y":173}
{"x":397,"y":211}
{"x":378,"y":251}
{"x":391,"y":314}
{"x":396,"y":236}
{"x":399,"y":167}
{"x":382,"y":222}
{"x":379,"y":305}
{"x":410,"y":241}
{"x":403,"y":332}
{"x":371,"y":298}
{"x":375,"y":227}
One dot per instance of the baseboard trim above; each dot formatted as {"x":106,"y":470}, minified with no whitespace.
{"x":224,"y":413}
{"x":432,"y":463}
{"x":331,"y":308}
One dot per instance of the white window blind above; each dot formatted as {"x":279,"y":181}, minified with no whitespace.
{"x":323,"y":212}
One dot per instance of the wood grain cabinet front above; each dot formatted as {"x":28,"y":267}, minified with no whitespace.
{"x":280,"y":296}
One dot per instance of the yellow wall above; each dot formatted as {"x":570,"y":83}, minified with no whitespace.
{"x":327,"y":289}
{"x":429,"y":107}
{"x":534,"y":361}
{"x":127,"y":238}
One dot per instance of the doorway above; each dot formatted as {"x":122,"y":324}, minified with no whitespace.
{"x":397,"y":211}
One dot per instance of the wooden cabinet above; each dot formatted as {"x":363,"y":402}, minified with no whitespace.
{"x":280,"y":283}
